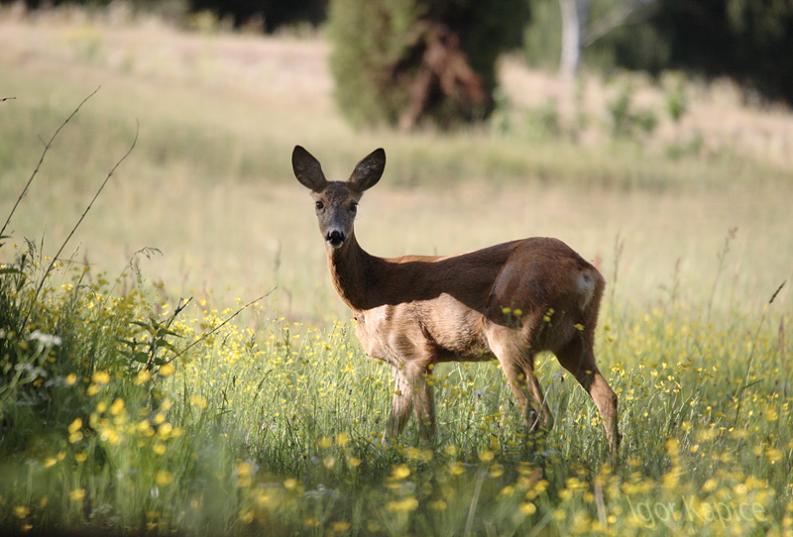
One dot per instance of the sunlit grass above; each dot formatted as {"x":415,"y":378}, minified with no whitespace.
{"x":279,"y":428}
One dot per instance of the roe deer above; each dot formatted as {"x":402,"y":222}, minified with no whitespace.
{"x":510,"y":301}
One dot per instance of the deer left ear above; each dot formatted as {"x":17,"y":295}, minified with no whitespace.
{"x":368,"y":172}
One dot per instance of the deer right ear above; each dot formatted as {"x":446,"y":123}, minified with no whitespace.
{"x":307,"y":169}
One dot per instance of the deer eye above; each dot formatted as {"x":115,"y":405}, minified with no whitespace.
{"x":319,"y":205}
{"x":353,"y":207}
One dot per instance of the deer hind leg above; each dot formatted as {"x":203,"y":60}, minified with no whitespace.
{"x":578,"y":357}
{"x":543,"y":417}
{"x":517,"y":364}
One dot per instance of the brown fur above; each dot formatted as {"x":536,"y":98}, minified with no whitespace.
{"x":415,"y":311}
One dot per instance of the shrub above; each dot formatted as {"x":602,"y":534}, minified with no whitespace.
{"x":405,"y":61}
{"x":626,"y":120}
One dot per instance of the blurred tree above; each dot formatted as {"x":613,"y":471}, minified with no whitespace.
{"x":562,"y":30}
{"x":748,"y":40}
{"x":270,"y":13}
{"x":406,"y":61}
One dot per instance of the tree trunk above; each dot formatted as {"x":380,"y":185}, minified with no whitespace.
{"x":571,"y":38}
{"x":574,"y":17}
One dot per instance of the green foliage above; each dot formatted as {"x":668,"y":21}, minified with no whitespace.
{"x":270,"y":14}
{"x":687,"y":147}
{"x":377,"y":51}
{"x":369,"y":39}
{"x":630,"y":45}
{"x":626,"y":120}
{"x":544,"y":119}
{"x":46,"y":337}
{"x":745,"y":39}
{"x":543,"y":34}
{"x":286,"y":421}
{"x":539,"y":122}
{"x":676,"y":98}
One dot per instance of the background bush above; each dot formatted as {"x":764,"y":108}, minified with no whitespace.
{"x":747,"y":40}
{"x":374,"y":54}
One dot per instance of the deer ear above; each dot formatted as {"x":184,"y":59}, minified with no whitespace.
{"x":369,"y":170}
{"x":307,"y":169}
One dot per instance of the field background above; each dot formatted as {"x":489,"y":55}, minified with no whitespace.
{"x":210,"y":182}
{"x":210,"y":186}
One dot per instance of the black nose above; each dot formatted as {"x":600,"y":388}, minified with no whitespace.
{"x":335,"y":237}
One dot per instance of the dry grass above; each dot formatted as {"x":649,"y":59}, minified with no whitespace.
{"x":718,"y":111}
{"x":210,"y":183}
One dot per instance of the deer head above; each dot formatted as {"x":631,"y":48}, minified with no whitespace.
{"x":336,"y":202}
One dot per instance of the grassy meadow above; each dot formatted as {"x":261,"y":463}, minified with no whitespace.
{"x":121,"y":411}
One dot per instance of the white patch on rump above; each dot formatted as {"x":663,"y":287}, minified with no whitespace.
{"x":586,"y":288}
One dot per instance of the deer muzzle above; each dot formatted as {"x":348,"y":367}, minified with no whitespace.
{"x":335,"y":238}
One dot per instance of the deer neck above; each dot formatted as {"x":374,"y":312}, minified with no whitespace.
{"x":352,"y":271}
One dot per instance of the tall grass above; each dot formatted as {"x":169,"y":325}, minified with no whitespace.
{"x":276,"y":429}
{"x":126,"y":407}
{"x":126,"y":411}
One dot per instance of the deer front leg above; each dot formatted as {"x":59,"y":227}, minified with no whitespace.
{"x":401,"y":403}
{"x":423,"y":403}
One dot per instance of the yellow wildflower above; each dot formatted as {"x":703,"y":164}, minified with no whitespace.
{"x":163,"y":478}
{"x":438,"y":505}
{"x":101,"y":377}
{"x":456,"y":468}
{"x":528,"y":508}
{"x":164,"y":430}
{"x":142,"y":377}
{"x":486,"y":456}
{"x":117,"y":407}
{"x":403,"y":506}
{"x":75,"y":425}
{"x":340,"y":526}
{"x":198,"y":402}
{"x":400,"y":472}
